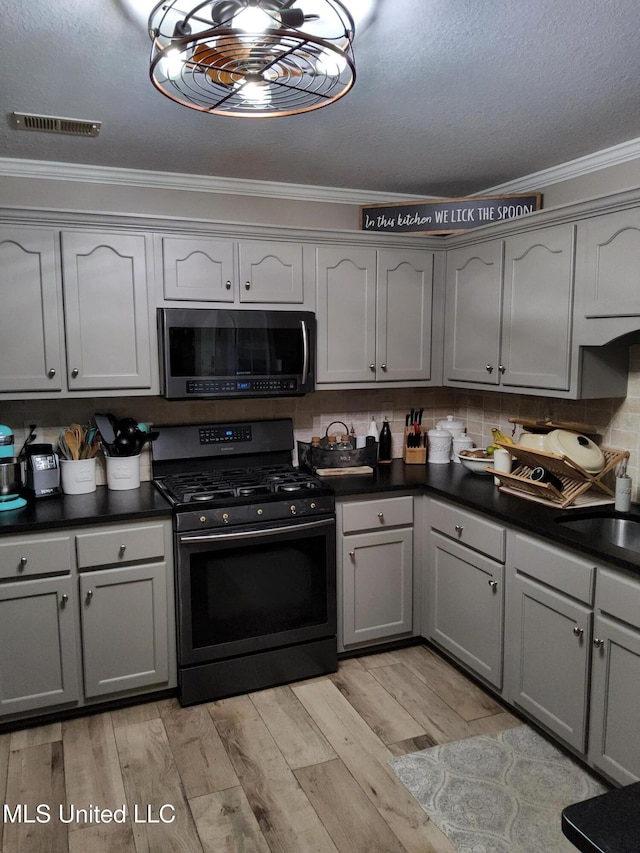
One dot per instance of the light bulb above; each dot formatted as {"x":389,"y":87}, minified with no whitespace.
{"x":252,"y":19}
{"x":257,"y":92}
{"x":172,"y":64}
{"x":330,"y":63}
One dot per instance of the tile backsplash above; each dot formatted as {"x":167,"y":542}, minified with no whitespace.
{"x":617,"y":420}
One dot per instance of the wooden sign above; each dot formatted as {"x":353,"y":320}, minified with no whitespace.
{"x":449,"y":216}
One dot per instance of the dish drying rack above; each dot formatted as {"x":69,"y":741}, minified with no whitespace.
{"x":576,"y":482}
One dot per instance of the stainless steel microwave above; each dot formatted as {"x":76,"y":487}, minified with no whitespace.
{"x":208,"y":353}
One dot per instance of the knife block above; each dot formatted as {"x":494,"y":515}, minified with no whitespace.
{"x":414,"y":455}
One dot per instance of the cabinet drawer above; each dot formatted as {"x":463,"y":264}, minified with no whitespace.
{"x":557,"y":568}
{"x":471,"y":530}
{"x":377,"y":514}
{"x":119,"y":545}
{"x":23,"y":556}
{"x":619,"y":595}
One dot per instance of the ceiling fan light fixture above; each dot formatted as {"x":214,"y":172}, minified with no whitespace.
{"x":252,"y":58}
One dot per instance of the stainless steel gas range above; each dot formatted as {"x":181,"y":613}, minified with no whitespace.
{"x":254,"y":542}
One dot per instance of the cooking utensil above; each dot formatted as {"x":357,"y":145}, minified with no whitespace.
{"x":576,"y":447}
{"x":72,"y":444}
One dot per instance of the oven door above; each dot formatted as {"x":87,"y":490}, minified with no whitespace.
{"x":251,"y":589}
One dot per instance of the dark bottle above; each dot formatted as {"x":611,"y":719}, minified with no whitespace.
{"x":384,"y":446}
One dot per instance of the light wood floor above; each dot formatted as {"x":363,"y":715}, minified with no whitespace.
{"x":295,"y":769}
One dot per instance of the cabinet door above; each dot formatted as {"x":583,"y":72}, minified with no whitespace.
{"x":30,"y":334}
{"x":473,"y":313}
{"x":106,"y":310}
{"x":404,"y":308}
{"x":377,"y":585}
{"x":37,"y":645}
{"x":614,"y":746}
{"x":465,"y":606}
{"x":609,"y":257}
{"x":124,"y":628}
{"x":538,"y":309}
{"x":551,"y":642}
{"x":271,"y":272}
{"x":198,"y":268}
{"x":346,"y":314}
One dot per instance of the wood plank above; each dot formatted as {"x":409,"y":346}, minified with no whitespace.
{"x":414,"y":744}
{"x":103,"y":838}
{"x":92,"y":768}
{"x":380,"y":659}
{"x":135,"y":714}
{"x":438,"y":718}
{"x":285,"y":816}
{"x":151,"y":781}
{"x":388,"y":719}
{"x":5,"y":741}
{"x":458,"y":691}
{"x":366,"y":758}
{"x":200,"y":756}
{"x":36,"y":778}
{"x":297,"y":736}
{"x":495,"y":723}
{"x":36,"y":735}
{"x":353,"y":822}
{"x":226,"y":823}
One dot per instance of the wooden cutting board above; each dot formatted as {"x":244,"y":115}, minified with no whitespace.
{"x":341,"y":472}
{"x":547,"y":426}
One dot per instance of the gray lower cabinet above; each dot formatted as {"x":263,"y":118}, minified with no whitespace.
{"x":375,"y":570}
{"x":465,"y":589}
{"x":548,"y":632}
{"x":614,"y":746}
{"x":37,"y":645}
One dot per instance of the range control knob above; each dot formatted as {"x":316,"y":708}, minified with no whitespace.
{"x":260,"y":511}
{"x":225,"y":517}
{"x":293,"y":509}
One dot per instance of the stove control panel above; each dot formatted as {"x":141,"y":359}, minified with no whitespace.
{"x":220,"y":434}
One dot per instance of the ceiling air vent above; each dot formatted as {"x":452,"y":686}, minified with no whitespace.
{"x":55,"y":124}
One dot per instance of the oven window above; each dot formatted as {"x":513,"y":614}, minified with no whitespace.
{"x":220,"y":352}
{"x":238,"y":593}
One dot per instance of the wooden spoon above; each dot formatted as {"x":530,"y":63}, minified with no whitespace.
{"x":72,"y":443}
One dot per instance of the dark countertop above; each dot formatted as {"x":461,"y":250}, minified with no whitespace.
{"x":103,"y":505}
{"x":479,"y":494}
{"x":609,"y":823}
{"x":450,"y":482}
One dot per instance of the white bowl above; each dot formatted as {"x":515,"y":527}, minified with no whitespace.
{"x":476,"y":464}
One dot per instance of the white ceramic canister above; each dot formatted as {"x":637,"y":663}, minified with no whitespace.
{"x":123,"y":472}
{"x":453,"y":425}
{"x":461,"y":442}
{"x":439,"y":441}
{"x":78,"y":476}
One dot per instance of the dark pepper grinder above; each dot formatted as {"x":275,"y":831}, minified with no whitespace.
{"x":384,"y":444}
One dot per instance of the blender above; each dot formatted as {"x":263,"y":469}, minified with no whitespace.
{"x":10,"y":473}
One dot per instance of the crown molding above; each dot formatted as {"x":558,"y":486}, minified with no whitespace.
{"x":622,"y":153}
{"x":51,"y":171}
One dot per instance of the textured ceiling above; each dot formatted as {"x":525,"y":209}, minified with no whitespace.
{"x":451,"y":97}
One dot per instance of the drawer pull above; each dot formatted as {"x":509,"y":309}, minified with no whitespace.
{"x":89,"y":595}
{"x":488,"y":368}
{"x":372,"y":367}
{"x":228,"y":285}
{"x":22,"y":565}
{"x":459,"y":528}
{"x":63,"y":599}
{"x":247,"y":285}
{"x":381,"y":517}
{"x":578,"y":632}
{"x":74,"y":373}
{"x":51,"y":373}
{"x":493,"y":585}
{"x":123,"y":548}
{"x":352,"y":554}
{"x":383,"y":366}
{"x":598,"y":643}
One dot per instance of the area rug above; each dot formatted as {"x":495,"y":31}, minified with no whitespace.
{"x":499,"y":793}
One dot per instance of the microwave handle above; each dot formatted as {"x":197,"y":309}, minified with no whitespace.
{"x":305,"y":351}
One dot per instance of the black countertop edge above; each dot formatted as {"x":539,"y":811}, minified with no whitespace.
{"x":451,"y":482}
{"x":477,"y":492}
{"x":608,"y":823}
{"x":99,"y":507}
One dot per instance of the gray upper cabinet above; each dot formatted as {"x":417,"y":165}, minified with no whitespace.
{"x":509,"y":322}
{"x":106,"y":310}
{"x":374,"y":312}
{"x":216,"y":269}
{"x":31,"y":334}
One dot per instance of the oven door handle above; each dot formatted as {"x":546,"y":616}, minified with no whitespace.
{"x":305,"y":352}
{"x":254,"y":534}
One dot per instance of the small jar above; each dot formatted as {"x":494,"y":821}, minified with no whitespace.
{"x":344,"y":443}
{"x":461,"y":442}
{"x":439,"y":441}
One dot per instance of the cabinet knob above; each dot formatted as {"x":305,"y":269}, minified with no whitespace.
{"x":247,"y":285}
{"x":381,"y":517}
{"x":74,"y":373}
{"x":501,"y":368}
{"x":578,"y":632}
{"x":598,"y":643}
{"x":228,"y":285}
{"x":63,"y":599}
{"x":22,"y":565}
{"x":488,"y":368}
{"x":493,"y":585}
{"x":352,"y":554}
{"x":372,"y":367}
{"x":51,"y":373}
{"x":459,"y":528}
{"x":122,"y":549}
{"x":383,"y":366}
{"x":89,"y":595}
